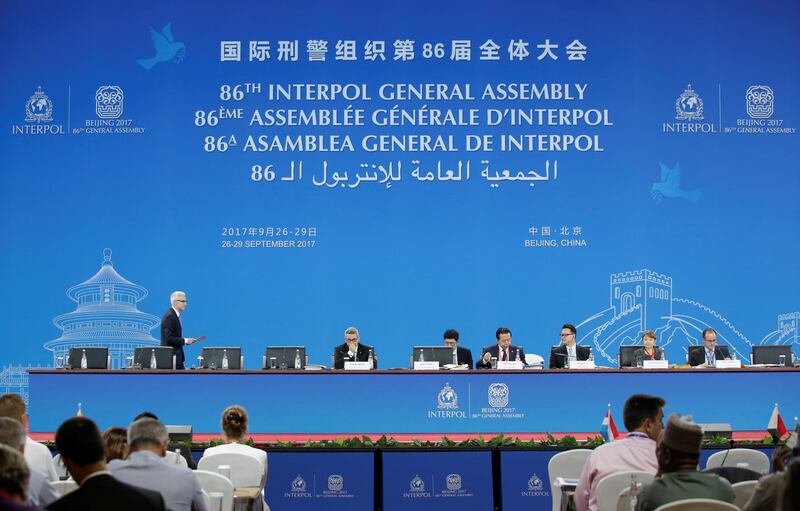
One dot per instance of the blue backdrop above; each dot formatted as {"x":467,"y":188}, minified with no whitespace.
{"x":681,"y":214}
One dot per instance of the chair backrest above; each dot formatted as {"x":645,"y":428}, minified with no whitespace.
{"x":532,"y":359}
{"x":697,"y":505}
{"x":623,"y":500}
{"x":626,"y":355}
{"x":745,"y":458}
{"x":609,"y":487}
{"x":65,"y":487}
{"x":61,"y":469}
{"x":565,"y":464}
{"x":175,"y":458}
{"x":212,"y":482}
{"x":743,"y":492}
{"x":245,"y":470}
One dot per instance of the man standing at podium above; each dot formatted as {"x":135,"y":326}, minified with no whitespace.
{"x":172,"y":330}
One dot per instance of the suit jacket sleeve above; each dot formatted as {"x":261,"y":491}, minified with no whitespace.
{"x":465,"y":357}
{"x":171,"y":332}
{"x":480,"y":364}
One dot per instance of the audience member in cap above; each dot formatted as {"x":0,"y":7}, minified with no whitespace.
{"x":81,"y":447}
{"x":678,"y":453}
{"x":37,"y":455}
{"x":234,"y":426}
{"x":13,"y":480}
{"x":115,"y":440}
{"x":644,"y":419}
{"x":769,"y":488}
{"x":146,"y":468}
{"x":40,"y":491}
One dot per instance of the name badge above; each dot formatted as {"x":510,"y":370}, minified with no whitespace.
{"x":581,"y":364}
{"x":427,"y":366}
{"x":510,"y":364}
{"x":655,"y":364}
{"x":356,"y":366}
{"x":729,"y":364}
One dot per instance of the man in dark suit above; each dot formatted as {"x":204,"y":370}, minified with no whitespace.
{"x":172,"y":330}
{"x":711,"y":352}
{"x":352,"y":350}
{"x":568,"y":350}
{"x":463,"y":355}
{"x":502,"y":351}
{"x":81,"y":447}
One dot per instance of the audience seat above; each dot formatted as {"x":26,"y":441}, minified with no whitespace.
{"x":698,"y":505}
{"x":65,"y":487}
{"x":609,"y":487}
{"x":743,"y":492}
{"x":566,"y":464}
{"x":744,"y":458}
{"x":212,"y":482}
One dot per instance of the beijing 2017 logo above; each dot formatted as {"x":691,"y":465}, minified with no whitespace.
{"x":760,"y":102}
{"x":109,"y":102}
{"x":498,"y":395}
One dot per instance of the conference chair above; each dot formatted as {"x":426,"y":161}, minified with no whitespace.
{"x":65,"y":487}
{"x":174,"y":458}
{"x":609,"y":487}
{"x":211,"y":482}
{"x":625,"y":356}
{"x":246,"y":471}
{"x":744,"y":458}
{"x":567,"y":464}
{"x":61,"y":469}
{"x":697,"y":505}
{"x":623,"y":499}
{"x":743,"y":492}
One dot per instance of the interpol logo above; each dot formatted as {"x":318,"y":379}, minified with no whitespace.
{"x":447,"y":399}
{"x":453,"y":482}
{"x":535,"y":483}
{"x":39,"y":108}
{"x":689,"y":106}
{"x":335,"y":482}
{"x":109,"y":102}
{"x":498,"y":395}
{"x":760,"y":102}
{"x":417,"y":484}
{"x":298,"y":484}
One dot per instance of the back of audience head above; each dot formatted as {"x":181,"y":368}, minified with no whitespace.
{"x":14,"y":475}
{"x":81,"y":447}
{"x":644,"y":413}
{"x":148,"y":435}
{"x":145,"y":415}
{"x":13,"y":406}
{"x":115,"y":440}
{"x":679,"y":444}
{"x":234,"y":422}
{"x":789,"y":498}
{"x":12,"y":434}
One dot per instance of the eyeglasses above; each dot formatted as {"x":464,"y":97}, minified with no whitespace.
{"x":567,"y":335}
{"x":182,"y":301}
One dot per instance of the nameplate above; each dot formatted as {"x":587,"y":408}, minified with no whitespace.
{"x":729,"y":364}
{"x":510,"y":364}
{"x":655,"y":364}
{"x":426,"y":366}
{"x":581,"y":364}
{"x":357,"y":366}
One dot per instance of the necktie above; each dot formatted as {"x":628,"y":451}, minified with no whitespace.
{"x":505,"y":355}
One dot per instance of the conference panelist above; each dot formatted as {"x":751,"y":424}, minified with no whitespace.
{"x":711,"y":352}
{"x":503,"y":351}
{"x":649,"y":350}
{"x":568,"y":350}
{"x":463,"y":355}
{"x":172,"y":329}
{"x":352,"y":350}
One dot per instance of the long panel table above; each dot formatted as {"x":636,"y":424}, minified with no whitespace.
{"x":407,"y":402}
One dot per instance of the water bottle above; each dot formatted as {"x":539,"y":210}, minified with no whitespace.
{"x":370,"y":359}
{"x":224,"y":359}
{"x":153,"y":364}
{"x":200,"y":361}
{"x":634,"y":491}
{"x":422,"y":355}
{"x":84,"y":363}
{"x":516,"y":356}
{"x":455,"y":356}
{"x":591,"y":355}
{"x":297,"y":364}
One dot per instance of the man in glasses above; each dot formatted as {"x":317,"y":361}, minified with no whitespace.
{"x":710,"y":353}
{"x":172,"y":330}
{"x":568,"y":349}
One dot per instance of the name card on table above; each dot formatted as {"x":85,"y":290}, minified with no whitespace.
{"x":357,"y":366}
{"x":729,"y":364}
{"x":582,"y":364}
{"x":655,"y":364}
{"x":510,"y":364}
{"x":431,"y":365}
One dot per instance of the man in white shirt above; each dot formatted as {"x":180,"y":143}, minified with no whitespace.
{"x":37,"y":455}
{"x":40,"y":491}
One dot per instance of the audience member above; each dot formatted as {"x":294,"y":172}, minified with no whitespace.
{"x":146,"y":467}
{"x":39,"y":490}
{"x":678,"y":453}
{"x":175,"y":450}
{"x":790,"y":494}
{"x":644,"y":419}
{"x":37,"y":455}
{"x":768,"y":490}
{"x":115,"y":441}
{"x":81,"y":447}
{"x":13,"y":480}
